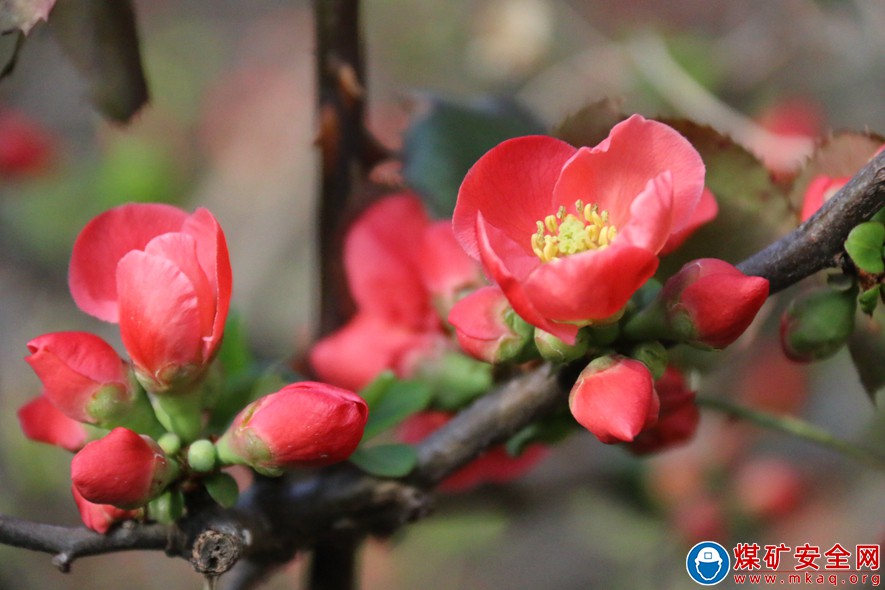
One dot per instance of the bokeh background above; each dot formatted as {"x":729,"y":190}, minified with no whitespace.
{"x":231,"y":127}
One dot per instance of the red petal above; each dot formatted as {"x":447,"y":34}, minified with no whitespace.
{"x":41,"y":421}
{"x":355,"y":354}
{"x":117,"y":469}
{"x":613,"y":173}
{"x":445,"y":267}
{"x":706,"y":211}
{"x":512,"y":185}
{"x":381,"y":257}
{"x":101,"y":245}
{"x":159,"y":313}
{"x":215,"y":261}
{"x":651,"y":216}
{"x":591,"y":285}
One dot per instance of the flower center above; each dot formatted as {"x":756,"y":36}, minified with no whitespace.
{"x":566,"y":233}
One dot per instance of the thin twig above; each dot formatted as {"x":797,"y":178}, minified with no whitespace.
{"x":798,"y":428}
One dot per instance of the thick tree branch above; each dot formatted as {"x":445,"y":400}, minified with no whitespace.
{"x":816,"y":244}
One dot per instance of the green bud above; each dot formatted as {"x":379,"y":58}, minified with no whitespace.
{"x":170,"y":443}
{"x":653,"y":355}
{"x":201,"y":456}
{"x":817,"y":324}
{"x":223,"y":489}
{"x":555,"y":350}
{"x":167,"y":507}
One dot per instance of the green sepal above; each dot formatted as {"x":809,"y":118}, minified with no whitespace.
{"x":167,"y":507}
{"x":181,"y":413}
{"x":222,"y":488}
{"x":555,"y":350}
{"x":869,"y":299}
{"x":653,"y":355}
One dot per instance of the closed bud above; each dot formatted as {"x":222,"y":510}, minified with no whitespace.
{"x":123,"y":469}
{"x":614,"y":398}
{"x":709,"y":302}
{"x":487,"y":327}
{"x":678,"y":417}
{"x":304,"y":424}
{"x":817,"y":324}
{"x":87,"y":381}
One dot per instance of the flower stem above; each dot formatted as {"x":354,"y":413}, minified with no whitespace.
{"x":798,"y":428}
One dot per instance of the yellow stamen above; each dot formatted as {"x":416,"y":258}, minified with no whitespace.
{"x":565,"y":233}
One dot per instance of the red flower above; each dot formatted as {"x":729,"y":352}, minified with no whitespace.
{"x":570,"y":234}
{"x":123,"y":469}
{"x":100,"y":517}
{"x":165,"y":277}
{"x":399,"y":268}
{"x":487,"y":327}
{"x":82,"y":375}
{"x":304,"y":424}
{"x":709,"y":302}
{"x":495,"y":466}
{"x":41,"y":421}
{"x":678,"y":417}
{"x":25,"y":148}
{"x":614,"y":398}
{"x":819,"y":191}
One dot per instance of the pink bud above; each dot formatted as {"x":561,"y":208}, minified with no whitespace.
{"x":81,"y":373}
{"x":614,"y":398}
{"x":487,"y":327}
{"x":123,"y":469}
{"x":165,"y":277}
{"x":304,"y":424}
{"x":100,"y":517}
{"x":678,"y":417}
{"x":710,"y":302}
{"x":494,"y":466}
{"x":41,"y":421}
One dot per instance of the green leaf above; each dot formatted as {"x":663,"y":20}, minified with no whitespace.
{"x":375,"y":390}
{"x":753,"y":209}
{"x":235,"y":355}
{"x":869,"y":299}
{"x":442,"y":144}
{"x":100,"y":38}
{"x":456,"y":379}
{"x":867,"y":348}
{"x":394,"y":460}
{"x":222,"y":488}
{"x":400,"y":400}
{"x":864,"y":246}
{"x":550,"y":430}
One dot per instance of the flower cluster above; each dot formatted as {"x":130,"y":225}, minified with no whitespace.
{"x":143,"y":428}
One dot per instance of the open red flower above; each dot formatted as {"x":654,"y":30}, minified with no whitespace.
{"x":570,"y":234}
{"x":165,"y":276}
{"x":41,"y":421}
{"x":401,"y":269}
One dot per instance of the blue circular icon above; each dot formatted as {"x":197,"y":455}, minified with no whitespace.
{"x":708,"y":563}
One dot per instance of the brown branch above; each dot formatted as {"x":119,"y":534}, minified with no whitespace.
{"x":817,"y":243}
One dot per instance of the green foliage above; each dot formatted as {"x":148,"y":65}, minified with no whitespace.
{"x":864,"y":246}
{"x":392,"y":460}
{"x":222,"y":488}
{"x":442,"y":144}
{"x":867,"y":348}
{"x":400,"y":400}
{"x":550,"y":430}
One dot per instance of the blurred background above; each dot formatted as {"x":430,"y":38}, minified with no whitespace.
{"x":231,"y":126}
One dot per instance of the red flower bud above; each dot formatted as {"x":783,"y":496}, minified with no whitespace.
{"x":304,"y":424}
{"x":41,"y":421}
{"x":25,"y":147}
{"x":487,"y":327}
{"x":165,"y":277}
{"x":123,"y":469}
{"x":709,"y":302}
{"x":678,"y":417}
{"x":82,"y":375}
{"x":100,"y":517}
{"x":614,"y":398}
{"x":494,"y":466}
